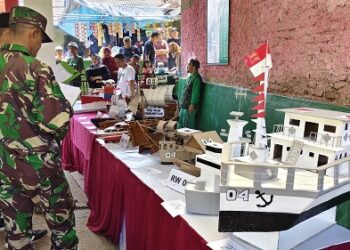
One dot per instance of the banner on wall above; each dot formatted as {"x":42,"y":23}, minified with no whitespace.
{"x":217,"y":31}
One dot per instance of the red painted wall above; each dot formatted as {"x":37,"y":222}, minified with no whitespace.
{"x":309,"y":40}
{"x":10,"y":3}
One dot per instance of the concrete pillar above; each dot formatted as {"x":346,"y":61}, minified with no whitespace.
{"x":47,"y":51}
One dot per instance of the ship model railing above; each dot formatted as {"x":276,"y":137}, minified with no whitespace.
{"x":314,"y":137}
{"x":328,"y":177}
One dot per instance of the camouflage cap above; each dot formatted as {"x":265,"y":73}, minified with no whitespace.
{"x":4,"y":20}
{"x":20,"y":14}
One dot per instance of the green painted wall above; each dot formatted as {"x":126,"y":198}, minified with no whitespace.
{"x":218,"y":101}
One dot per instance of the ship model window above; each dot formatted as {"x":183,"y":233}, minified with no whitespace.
{"x":310,"y":127}
{"x":346,"y":126}
{"x":277,"y":151}
{"x":340,"y":156}
{"x":322,"y":160}
{"x":242,"y":149}
{"x":345,"y":155}
{"x":294,"y":122}
{"x":329,"y":128}
{"x":311,"y":154}
{"x":288,"y":148}
{"x":301,"y":152}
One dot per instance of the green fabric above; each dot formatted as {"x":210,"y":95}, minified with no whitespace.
{"x":191,"y":91}
{"x":196,"y":88}
{"x":343,"y":214}
{"x":187,"y":119}
{"x":77,"y":63}
{"x":16,"y":47}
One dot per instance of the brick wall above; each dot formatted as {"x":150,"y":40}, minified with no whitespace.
{"x":309,"y":40}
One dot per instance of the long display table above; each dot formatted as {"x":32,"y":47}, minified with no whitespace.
{"x":125,"y":190}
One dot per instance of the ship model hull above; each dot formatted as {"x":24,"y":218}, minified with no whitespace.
{"x":257,"y":221}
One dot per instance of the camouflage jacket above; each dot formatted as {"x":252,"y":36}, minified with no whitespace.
{"x":34,"y":114}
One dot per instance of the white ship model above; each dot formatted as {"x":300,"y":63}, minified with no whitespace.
{"x":305,"y":172}
{"x":289,"y":186}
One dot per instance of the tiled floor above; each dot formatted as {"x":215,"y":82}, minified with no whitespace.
{"x":87,"y":239}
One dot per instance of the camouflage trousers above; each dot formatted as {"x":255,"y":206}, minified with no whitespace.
{"x":27,"y":182}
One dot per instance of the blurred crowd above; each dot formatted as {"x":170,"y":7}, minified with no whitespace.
{"x":158,"y":52}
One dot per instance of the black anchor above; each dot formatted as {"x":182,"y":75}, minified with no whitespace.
{"x":261,"y":195}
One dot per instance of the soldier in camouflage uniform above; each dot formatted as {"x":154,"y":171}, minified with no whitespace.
{"x":5,"y":38}
{"x":34,"y":117}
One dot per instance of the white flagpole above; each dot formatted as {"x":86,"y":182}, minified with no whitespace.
{"x":266,"y":74}
{"x":260,"y":136}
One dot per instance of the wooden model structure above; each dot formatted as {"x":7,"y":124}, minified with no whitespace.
{"x":171,"y":145}
{"x":187,"y":167}
{"x":198,"y":141}
{"x":143,"y":134}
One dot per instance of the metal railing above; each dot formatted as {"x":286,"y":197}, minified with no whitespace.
{"x":314,"y":137}
{"x":333,"y":182}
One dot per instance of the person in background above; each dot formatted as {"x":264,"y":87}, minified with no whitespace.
{"x":128,"y":50}
{"x":149,"y":50}
{"x":189,"y":102}
{"x":111,"y":64}
{"x":59,"y":54}
{"x":93,"y":44}
{"x":126,"y":78}
{"x":97,"y":72}
{"x":33,"y":120}
{"x":135,"y":64}
{"x":76,"y":62}
{"x":5,"y":39}
{"x":174,"y":57}
{"x":162,"y":50}
{"x":147,"y":72}
{"x":174,"y":37}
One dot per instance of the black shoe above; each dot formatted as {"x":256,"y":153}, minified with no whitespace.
{"x":38,"y":235}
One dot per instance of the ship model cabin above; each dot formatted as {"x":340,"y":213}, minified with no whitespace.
{"x":324,"y":135}
{"x":306,"y":172}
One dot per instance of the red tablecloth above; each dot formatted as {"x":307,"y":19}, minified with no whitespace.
{"x":115,"y":193}
{"x":78,"y":143}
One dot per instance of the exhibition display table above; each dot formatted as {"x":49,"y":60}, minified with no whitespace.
{"x":125,"y":185}
{"x":125,"y":191}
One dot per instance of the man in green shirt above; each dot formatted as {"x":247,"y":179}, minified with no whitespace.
{"x":189,"y":102}
{"x":34,"y":118}
{"x":76,"y":62}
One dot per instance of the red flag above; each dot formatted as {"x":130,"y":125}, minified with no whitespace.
{"x":258,"y":59}
{"x":259,"y":98}
{"x":260,"y":106}
{"x":259,"y":115}
{"x":259,"y":88}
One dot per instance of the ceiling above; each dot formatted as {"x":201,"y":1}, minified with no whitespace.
{"x":138,"y":3}
{"x":118,"y":8}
